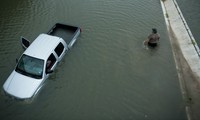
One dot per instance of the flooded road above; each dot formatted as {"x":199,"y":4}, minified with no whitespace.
{"x":107,"y":75}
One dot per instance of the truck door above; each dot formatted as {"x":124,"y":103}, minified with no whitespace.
{"x":25,"y":43}
{"x":60,"y":51}
{"x":51,"y":63}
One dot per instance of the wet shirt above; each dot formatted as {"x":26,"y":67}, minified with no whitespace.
{"x":154,"y":38}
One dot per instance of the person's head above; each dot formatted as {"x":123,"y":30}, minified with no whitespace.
{"x":154,"y":30}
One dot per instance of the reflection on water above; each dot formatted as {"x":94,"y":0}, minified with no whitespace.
{"x":107,"y":74}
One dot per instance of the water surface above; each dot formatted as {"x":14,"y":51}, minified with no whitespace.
{"x":108,"y":75}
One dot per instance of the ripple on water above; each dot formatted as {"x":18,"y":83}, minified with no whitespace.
{"x":107,"y":75}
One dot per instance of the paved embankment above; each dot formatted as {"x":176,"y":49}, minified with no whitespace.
{"x":187,"y":56}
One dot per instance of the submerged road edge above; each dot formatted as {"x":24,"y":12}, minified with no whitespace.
{"x":186,"y":55}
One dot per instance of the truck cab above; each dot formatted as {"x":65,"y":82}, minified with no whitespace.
{"x":39,"y":59}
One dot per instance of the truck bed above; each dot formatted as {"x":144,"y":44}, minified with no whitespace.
{"x":66,"y":32}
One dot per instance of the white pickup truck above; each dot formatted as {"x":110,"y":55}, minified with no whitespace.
{"x":39,"y":60}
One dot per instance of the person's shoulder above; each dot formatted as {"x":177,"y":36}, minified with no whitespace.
{"x":158,"y":35}
{"x":151,"y":34}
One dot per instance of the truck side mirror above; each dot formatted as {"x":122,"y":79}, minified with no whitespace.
{"x":49,"y":71}
{"x":17,"y":60}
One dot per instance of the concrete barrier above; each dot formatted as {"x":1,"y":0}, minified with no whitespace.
{"x":174,"y":18}
{"x":189,"y":49}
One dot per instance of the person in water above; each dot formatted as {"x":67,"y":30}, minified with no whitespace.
{"x":153,"y":38}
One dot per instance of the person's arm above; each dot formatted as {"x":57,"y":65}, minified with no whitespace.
{"x":158,"y":37}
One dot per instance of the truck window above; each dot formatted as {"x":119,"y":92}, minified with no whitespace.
{"x":50,"y":62}
{"x":30,"y":66}
{"x":59,"y":49}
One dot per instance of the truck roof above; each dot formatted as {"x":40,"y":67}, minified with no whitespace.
{"x":43,"y":46}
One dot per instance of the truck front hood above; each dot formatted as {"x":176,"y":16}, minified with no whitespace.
{"x":21,"y":86}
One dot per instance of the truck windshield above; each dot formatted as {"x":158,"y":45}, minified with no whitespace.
{"x":30,"y":66}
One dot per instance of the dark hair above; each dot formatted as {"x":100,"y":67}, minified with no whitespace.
{"x":154,"y":30}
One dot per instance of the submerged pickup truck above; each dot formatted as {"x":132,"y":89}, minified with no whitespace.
{"x":39,"y":60}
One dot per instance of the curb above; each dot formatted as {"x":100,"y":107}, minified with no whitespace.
{"x":175,"y":22}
